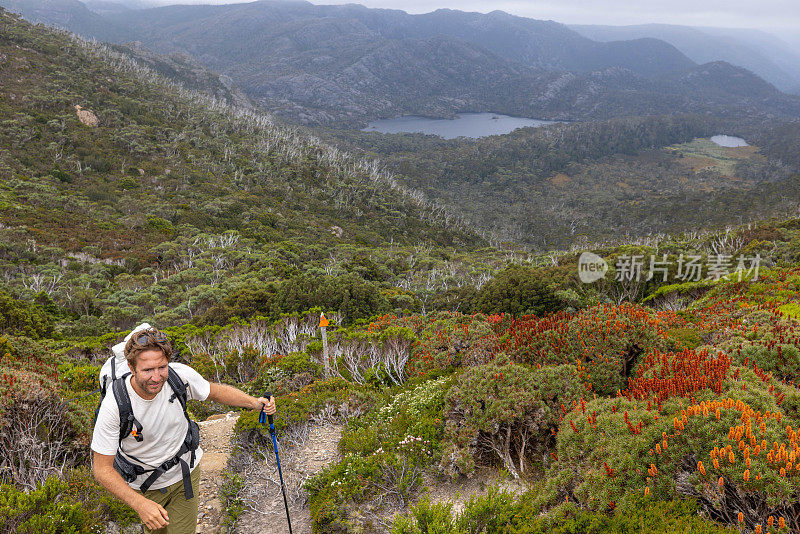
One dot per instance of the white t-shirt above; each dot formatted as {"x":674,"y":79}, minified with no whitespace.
{"x":163,"y":427}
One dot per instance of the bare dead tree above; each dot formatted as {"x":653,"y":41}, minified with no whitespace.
{"x":37,"y":441}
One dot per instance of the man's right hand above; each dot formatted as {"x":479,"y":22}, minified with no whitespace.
{"x":152,"y":514}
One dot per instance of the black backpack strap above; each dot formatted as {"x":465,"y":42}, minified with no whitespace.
{"x":103,"y":389}
{"x":104,"y":379}
{"x":169,"y":464}
{"x":128,"y":425}
{"x":178,"y":389}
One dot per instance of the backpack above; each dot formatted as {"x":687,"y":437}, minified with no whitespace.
{"x":105,"y":380}
{"x":129,"y":426}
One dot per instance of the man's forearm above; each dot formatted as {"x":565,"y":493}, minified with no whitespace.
{"x":231,"y":396}
{"x":113,"y":482}
{"x":152,"y":514}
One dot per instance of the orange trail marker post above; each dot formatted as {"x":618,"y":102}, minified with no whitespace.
{"x":323,"y":323}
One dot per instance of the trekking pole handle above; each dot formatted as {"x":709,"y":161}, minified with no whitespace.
{"x":263,"y":417}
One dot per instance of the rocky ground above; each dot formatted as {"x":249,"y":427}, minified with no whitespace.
{"x":306,"y":454}
{"x":215,"y":439}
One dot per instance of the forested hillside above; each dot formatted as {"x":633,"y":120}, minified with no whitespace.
{"x":168,"y":183}
{"x":604,"y":180}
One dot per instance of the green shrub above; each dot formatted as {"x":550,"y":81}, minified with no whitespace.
{"x":18,"y":317}
{"x":384,"y":456}
{"x":6,"y":348}
{"x":791,"y":310}
{"x":782,"y":359}
{"x":45,"y":510}
{"x":499,"y":511}
{"x":202,"y":410}
{"x":680,"y":338}
{"x":641,"y":516}
{"x":298,"y":362}
{"x":507,"y":411}
{"x":770,"y":341}
{"x":60,"y":175}
{"x":427,"y":517}
{"x":333,"y":490}
{"x":491,"y":512}
{"x":80,"y":378}
{"x":229,"y":492}
{"x":349,"y":294}
{"x":82,"y":487}
{"x":417,"y":411}
{"x":518,"y":290}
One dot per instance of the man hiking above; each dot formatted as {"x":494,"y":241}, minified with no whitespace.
{"x":146,"y":449}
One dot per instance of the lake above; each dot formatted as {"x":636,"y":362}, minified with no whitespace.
{"x":466,"y":125}
{"x":729,"y":141}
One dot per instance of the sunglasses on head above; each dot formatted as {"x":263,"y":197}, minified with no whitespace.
{"x":149,"y":338}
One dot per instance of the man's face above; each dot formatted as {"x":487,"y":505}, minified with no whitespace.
{"x":152,"y":368}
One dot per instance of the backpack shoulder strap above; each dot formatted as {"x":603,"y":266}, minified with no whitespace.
{"x":128,"y":425}
{"x":104,"y":379}
{"x":178,"y":388}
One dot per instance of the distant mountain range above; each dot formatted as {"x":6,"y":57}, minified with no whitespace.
{"x":760,"y":52}
{"x":344,"y":65}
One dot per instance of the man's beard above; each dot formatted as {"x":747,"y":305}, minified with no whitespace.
{"x":149,"y":386}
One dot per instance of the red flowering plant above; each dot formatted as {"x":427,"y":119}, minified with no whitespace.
{"x":451,"y":339}
{"x":604,"y":342}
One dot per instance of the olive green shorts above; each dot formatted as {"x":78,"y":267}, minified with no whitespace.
{"x":182,"y":513}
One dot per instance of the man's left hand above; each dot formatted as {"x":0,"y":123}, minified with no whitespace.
{"x":268,"y":405}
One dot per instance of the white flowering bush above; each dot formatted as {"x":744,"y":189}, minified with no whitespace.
{"x":384,"y":456}
{"x":417,"y":401}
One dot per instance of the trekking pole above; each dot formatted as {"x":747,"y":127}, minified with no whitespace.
{"x":262,"y":418}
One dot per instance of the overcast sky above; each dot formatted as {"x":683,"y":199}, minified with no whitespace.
{"x":729,"y":14}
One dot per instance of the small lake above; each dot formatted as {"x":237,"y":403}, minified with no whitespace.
{"x":466,"y":125}
{"x":729,"y":141}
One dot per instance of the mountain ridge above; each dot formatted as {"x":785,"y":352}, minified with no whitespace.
{"x":346,"y":65}
{"x":765,"y":55}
